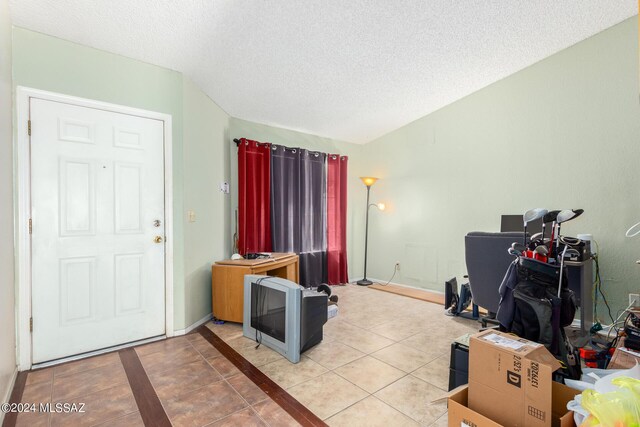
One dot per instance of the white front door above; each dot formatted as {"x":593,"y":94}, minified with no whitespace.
{"x":97,"y":208}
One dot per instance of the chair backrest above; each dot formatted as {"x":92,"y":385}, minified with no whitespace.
{"x":487,"y":262}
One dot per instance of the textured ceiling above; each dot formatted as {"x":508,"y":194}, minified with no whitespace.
{"x":346,"y":69}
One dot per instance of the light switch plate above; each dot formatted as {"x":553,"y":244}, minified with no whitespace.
{"x":191,"y":216}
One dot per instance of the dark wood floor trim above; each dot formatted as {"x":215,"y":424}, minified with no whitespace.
{"x":151,"y":409}
{"x":298,"y":411}
{"x":10,"y":418}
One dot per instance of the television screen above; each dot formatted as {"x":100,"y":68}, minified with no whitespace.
{"x":282,"y":315}
{"x":268,"y":311}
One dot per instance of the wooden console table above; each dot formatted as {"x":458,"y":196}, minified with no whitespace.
{"x":227,"y":281}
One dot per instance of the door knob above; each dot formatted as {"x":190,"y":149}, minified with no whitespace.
{"x":158,"y":239}
{"x":156,"y":223}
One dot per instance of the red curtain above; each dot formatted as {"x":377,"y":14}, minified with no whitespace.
{"x":254,"y":213}
{"x":337,"y":219}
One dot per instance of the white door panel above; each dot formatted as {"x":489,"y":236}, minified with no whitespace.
{"x":97,"y":189}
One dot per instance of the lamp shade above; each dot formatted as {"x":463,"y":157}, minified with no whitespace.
{"x":368,"y":180}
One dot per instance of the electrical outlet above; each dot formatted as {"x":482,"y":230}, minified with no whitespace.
{"x":398,"y":265}
{"x":634,"y":300}
{"x":191,"y":216}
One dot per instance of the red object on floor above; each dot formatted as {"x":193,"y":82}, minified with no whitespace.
{"x":337,"y":219}
{"x":254,"y":187}
{"x":594,"y":358}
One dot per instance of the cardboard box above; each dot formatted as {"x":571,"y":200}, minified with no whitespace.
{"x":461,"y":416}
{"x":510,"y":379}
{"x":623,"y":358}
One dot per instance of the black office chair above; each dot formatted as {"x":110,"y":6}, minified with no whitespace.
{"x":487,"y":262}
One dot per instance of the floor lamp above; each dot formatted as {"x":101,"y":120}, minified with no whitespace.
{"x":368,"y":181}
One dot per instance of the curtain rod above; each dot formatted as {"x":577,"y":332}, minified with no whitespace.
{"x":237,"y":141}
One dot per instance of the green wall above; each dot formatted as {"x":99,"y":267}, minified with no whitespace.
{"x":206,"y":128}
{"x":356,"y":190}
{"x":7,"y":289}
{"x":199,"y":135}
{"x":563,"y":133}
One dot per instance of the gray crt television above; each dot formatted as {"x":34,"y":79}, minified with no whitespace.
{"x":283,"y":315}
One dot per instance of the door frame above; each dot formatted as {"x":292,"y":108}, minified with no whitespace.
{"x":23,"y":208}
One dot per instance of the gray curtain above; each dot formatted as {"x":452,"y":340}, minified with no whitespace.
{"x":298,"y":209}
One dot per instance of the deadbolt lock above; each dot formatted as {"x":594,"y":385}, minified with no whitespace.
{"x":156,"y":223}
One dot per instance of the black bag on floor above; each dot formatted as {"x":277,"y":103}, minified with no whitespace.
{"x":540,"y":315}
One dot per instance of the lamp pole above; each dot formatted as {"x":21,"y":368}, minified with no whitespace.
{"x":368,"y":181}
{"x":364,"y":281}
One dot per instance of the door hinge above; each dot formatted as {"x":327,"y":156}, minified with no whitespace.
{"x":31,"y":324}
{"x":30,"y":226}
{"x":29,"y":127}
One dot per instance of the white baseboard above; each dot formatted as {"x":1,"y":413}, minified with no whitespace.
{"x":7,"y":393}
{"x":190,"y":328}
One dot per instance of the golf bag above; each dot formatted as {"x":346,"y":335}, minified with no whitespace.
{"x":533,"y":307}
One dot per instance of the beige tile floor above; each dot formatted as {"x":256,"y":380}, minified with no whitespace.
{"x":383,"y":361}
{"x":91,"y":382}
{"x":196,"y":385}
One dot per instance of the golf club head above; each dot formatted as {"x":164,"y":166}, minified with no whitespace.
{"x":534,"y":244}
{"x":568,"y":215}
{"x":533,"y":214}
{"x":541,"y":250}
{"x":536,"y":236}
{"x":516,"y":249}
{"x":550,"y":216}
{"x":515,"y":252}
